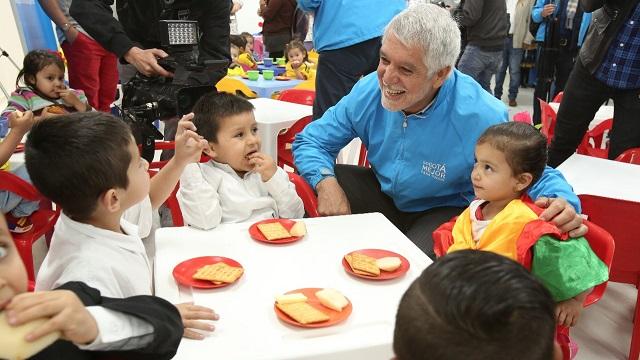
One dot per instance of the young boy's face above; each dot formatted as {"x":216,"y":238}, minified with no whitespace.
{"x":13,"y":276}
{"x":492,"y":177}
{"x":295,"y":55}
{"x":138,"y":177}
{"x":237,"y":139}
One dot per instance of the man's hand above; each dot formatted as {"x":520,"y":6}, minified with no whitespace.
{"x":146,"y":61}
{"x":191,"y":314}
{"x":64,"y":309}
{"x":331,"y":198}
{"x":71,"y":35}
{"x":21,"y":122}
{"x":264,"y":165}
{"x":563,"y":215}
{"x":548,"y":10}
{"x":189,"y":144}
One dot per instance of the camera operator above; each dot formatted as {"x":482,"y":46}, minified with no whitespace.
{"x":134,"y":36}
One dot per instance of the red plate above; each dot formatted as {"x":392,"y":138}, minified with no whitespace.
{"x":257,"y":235}
{"x":183,"y":272}
{"x":379,"y":253}
{"x":335,"y":317}
{"x":282,"y":78}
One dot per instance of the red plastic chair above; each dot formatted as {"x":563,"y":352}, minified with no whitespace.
{"x":285,"y":141}
{"x":43,"y":219}
{"x":596,"y":142}
{"x":306,"y":193}
{"x":362,"y":159}
{"x":548,"y":120}
{"x":172,"y":202}
{"x":631,"y":156}
{"x":558,"y":97}
{"x":620,"y":218}
{"x":298,"y":96}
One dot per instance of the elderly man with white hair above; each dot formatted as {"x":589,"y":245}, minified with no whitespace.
{"x":419,"y":119}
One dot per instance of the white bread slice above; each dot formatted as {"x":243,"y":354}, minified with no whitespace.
{"x":298,"y":229}
{"x":12,"y":343}
{"x":332,"y":299}
{"x":390,"y":263}
{"x":290,"y":298}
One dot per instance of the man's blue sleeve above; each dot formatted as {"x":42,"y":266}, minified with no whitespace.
{"x":309,"y":5}
{"x":553,"y":185}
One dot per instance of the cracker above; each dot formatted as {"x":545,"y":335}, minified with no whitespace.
{"x":363,"y":263}
{"x":273,"y":231}
{"x":303,"y":313}
{"x":219,"y":273}
{"x":356,"y":271}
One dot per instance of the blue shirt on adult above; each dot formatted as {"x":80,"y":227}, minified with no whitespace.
{"x":423,"y":160}
{"x":341,"y":23}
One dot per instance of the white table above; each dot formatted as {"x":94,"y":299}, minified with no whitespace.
{"x":273,"y":116}
{"x":248,"y":327}
{"x":602,"y":177}
{"x":604,"y":112}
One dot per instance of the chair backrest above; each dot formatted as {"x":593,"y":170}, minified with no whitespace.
{"x":558,"y":97}
{"x":620,"y":218}
{"x":172,"y":202}
{"x":306,"y":193}
{"x":298,"y":96}
{"x":362,"y":158}
{"x":286,"y":138}
{"x":603,"y":245}
{"x":548,"y":119}
{"x":631,"y":156}
{"x":596,"y":141}
{"x":234,"y":86}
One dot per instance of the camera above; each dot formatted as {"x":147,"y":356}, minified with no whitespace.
{"x":147,"y":99}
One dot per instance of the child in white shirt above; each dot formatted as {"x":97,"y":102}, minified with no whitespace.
{"x":89,"y":165}
{"x":240,"y":183}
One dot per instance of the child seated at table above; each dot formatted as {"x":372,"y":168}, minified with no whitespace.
{"x":298,"y":66}
{"x":249,"y":48}
{"x":510,"y":157}
{"x":142,"y":327}
{"x":235,"y":69}
{"x":239,"y":183}
{"x":89,"y":165}
{"x":475,"y":305}
{"x":244,"y":59}
{"x":15,"y":208}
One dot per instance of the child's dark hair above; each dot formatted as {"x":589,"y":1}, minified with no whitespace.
{"x":474,"y":304}
{"x":525,"y":148}
{"x":212,"y":108}
{"x":296,"y":44}
{"x":245,"y":35}
{"x":238,"y":41}
{"x":35,"y":61}
{"x":73,"y":159}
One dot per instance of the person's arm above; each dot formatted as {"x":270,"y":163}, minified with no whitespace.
{"x":199,"y":199}
{"x":214,"y":26}
{"x":96,"y":18}
{"x":471,"y":12}
{"x":541,"y":10}
{"x":309,"y":5}
{"x":19,"y":125}
{"x":53,"y":10}
{"x":553,"y":185}
{"x":283,"y":191}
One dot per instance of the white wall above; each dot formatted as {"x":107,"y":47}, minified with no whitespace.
{"x":11,"y":43}
{"x":248,"y":18}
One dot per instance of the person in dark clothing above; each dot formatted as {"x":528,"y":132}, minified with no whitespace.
{"x":557,"y":40}
{"x":608,"y":66}
{"x":134,"y":36}
{"x":487,"y":27}
{"x":276,"y":29}
{"x":91,"y":326}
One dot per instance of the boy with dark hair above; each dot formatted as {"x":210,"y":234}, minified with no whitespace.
{"x":90,"y":166}
{"x":475,"y":305}
{"x":141,"y":327}
{"x":239,"y":183}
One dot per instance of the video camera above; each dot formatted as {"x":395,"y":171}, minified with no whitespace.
{"x":147,"y":99}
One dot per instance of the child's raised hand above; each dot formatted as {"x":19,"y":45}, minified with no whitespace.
{"x":20,"y":121}
{"x":295,"y":64}
{"x":568,"y":312}
{"x":70,"y":98}
{"x":263,"y":164}
{"x":64,"y":309}
{"x":189,"y":144}
{"x":191,"y":314}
